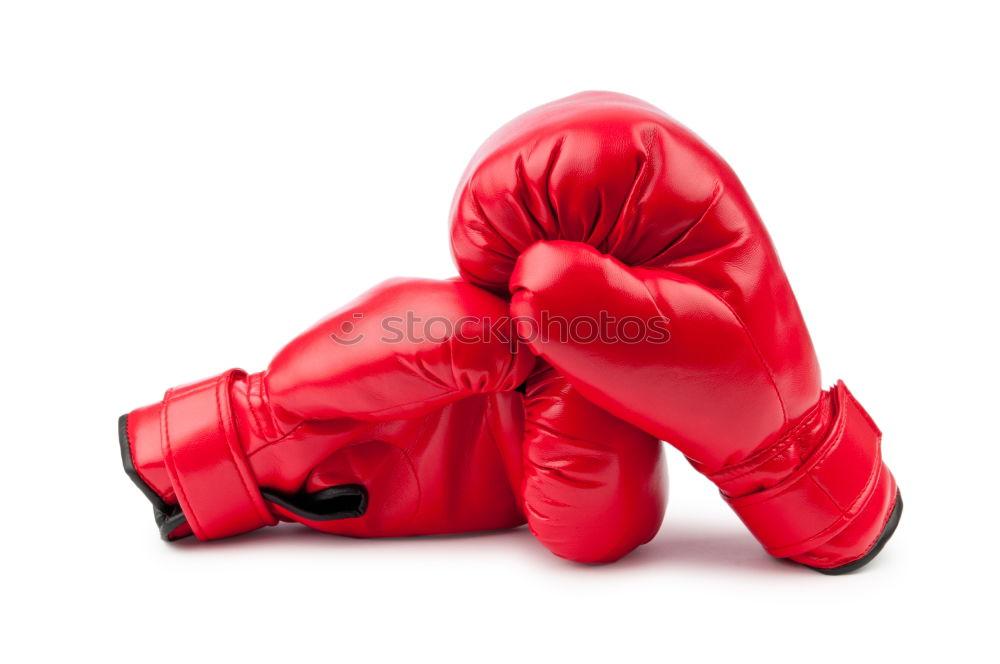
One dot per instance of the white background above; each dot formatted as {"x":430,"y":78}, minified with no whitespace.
{"x":184,"y":186}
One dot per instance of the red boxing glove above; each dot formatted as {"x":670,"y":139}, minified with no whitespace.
{"x":601,"y":208}
{"x":399,"y":415}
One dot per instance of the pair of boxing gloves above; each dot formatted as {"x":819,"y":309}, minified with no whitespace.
{"x":617,"y":289}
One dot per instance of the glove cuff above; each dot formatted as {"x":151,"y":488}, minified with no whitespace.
{"x":185,"y":453}
{"x":827,"y":492}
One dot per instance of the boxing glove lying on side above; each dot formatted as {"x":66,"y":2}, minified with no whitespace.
{"x":405,"y":413}
{"x":601,"y":207}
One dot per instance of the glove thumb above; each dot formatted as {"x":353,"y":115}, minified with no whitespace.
{"x":635,"y":342}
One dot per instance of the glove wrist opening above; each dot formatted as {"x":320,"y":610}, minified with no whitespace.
{"x":208,"y":470}
{"x":824,"y":494}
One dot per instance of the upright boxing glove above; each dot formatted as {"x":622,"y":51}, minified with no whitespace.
{"x":600,"y":207}
{"x":398,"y":415}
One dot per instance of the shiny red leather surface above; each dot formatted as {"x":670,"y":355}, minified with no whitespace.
{"x":593,"y":485}
{"x":430,"y":422}
{"x":601,"y":204}
{"x":203,"y":458}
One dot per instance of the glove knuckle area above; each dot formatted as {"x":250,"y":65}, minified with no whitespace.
{"x":594,"y":486}
{"x":599,"y":168}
